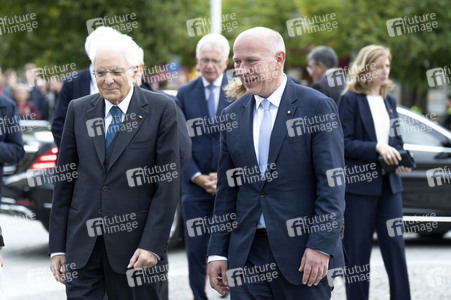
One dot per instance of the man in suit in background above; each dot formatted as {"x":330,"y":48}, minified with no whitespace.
{"x":322,"y":66}
{"x":116,"y":216}
{"x":202,"y":101}
{"x":274,"y":176}
{"x":79,"y":85}
{"x":11,"y":144}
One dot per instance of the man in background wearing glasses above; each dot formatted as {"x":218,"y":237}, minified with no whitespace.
{"x":202,"y":101}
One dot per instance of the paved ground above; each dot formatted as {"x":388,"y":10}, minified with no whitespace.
{"x":26,"y":275}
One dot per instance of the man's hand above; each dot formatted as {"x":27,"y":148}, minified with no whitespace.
{"x":58,"y":268}
{"x":315,"y":265}
{"x":1,"y":260}
{"x":204,"y":182}
{"x":142,"y":259}
{"x":218,"y":278}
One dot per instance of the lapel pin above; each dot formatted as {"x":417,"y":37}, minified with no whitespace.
{"x":390,"y":110}
{"x":140,"y":116}
{"x":289,"y":112}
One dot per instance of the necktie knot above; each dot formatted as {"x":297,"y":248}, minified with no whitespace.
{"x":265,"y":104}
{"x":116,"y":115}
{"x":115,"y":112}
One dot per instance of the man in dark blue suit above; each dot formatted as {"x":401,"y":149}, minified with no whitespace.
{"x":280,"y":178}
{"x":113,"y":221}
{"x":11,"y":144}
{"x":202,"y":101}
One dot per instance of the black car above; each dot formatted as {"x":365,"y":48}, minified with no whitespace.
{"x":424,"y":202}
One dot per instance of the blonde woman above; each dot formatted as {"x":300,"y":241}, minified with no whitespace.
{"x":367,"y":112}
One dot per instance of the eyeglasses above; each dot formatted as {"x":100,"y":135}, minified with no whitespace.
{"x":100,"y":73}
{"x":213,"y":61}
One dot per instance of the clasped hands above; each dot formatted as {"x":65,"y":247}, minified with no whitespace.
{"x":391,"y":156}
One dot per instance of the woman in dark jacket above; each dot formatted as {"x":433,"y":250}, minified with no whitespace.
{"x":373,"y":200}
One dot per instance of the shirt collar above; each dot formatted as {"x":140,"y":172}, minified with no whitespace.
{"x":217,"y":82}
{"x":123,"y":105}
{"x":328,"y":71}
{"x":275,"y":97}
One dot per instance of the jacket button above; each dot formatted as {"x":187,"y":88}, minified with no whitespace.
{"x":100,"y":211}
{"x":255,"y":223}
{"x":105,"y":188}
{"x":263,"y":195}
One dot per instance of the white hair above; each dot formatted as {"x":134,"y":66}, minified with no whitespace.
{"x":213,"y":41}
{"x":120,"y":43}
{"x":99,"y":32}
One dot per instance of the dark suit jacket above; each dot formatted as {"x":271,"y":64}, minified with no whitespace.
{"x":360,"y":141}
{"x":300,"y":189}
{"x":77,"y":87}
{"x":331,"y":89}
{"x":102,"y":190}
{"x":11,"y":144}
{"x":205,"y":147}
{"x":184,"y":139}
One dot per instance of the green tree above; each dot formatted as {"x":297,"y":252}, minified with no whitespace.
{"x":61,"y":32}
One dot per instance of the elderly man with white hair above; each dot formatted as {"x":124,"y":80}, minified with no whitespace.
{"x":81,"y":84}
{"x":109,"y":227}
{"x":202,"y":99}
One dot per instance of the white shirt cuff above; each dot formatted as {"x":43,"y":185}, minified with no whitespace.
{"x":56,"y":253}
{"x":195,"y":175}
{"x":216,"y":257}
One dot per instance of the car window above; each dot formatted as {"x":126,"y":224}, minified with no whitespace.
{"x":418,"y":133}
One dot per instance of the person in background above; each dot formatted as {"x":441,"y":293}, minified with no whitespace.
{"x":9,"y":83}
{"x":366,"y":111}
{"x":203,"y":98}
{"x":30,"y":79}
{"x":26,"y":108}
{"x":447,"y":121}
{"x":322,"y":66}
{"x":11,"y":144}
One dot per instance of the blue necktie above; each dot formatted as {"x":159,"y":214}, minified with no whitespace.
{"x":211,"y":103}
{"x":116,"y":121}
{"x":263,"y":142}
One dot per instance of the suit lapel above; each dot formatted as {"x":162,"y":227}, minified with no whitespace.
{"x":222,"y":103}
{"x":199,"y":97}
{"x":285,"y":112}
{"x":98,"y":112}
{"x":136,"y":114}
{"x":367,"y":119}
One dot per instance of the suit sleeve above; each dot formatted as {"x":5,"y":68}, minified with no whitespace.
{"x":328,"y":154}
{"x":225,"y":201}
{"x":349,"y":114}
{"x":11,"y":148}
{"x":184,"y":139}
{"x":59,"y":116}
{"x":63,"y":190}
{"x":163,"y":204}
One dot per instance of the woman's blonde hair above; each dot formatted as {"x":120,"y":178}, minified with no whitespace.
{"x":234,"y":89}
{"x":363,"y":66}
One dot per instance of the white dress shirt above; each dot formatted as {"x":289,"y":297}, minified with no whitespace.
{"x":381,"y":118}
